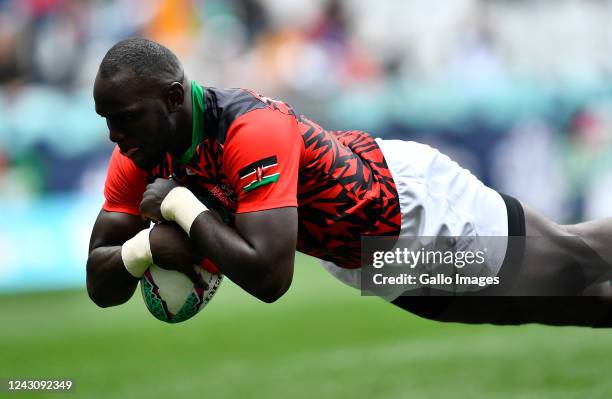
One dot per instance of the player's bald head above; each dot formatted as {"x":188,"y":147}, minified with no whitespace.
{"x":143,"y":59}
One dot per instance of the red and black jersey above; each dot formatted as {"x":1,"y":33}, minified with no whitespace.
{"x":253,"y":153}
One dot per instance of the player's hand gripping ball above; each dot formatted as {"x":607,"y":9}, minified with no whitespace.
{"x":179,"y":284}
{"x":150,"y":206}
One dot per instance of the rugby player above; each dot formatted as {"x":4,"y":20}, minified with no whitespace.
{"x":245,"y":181}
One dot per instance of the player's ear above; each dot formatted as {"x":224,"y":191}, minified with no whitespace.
{"x":174,"y":94}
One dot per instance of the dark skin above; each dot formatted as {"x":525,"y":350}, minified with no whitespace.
{"x":173,"y":250}
{"x":146,"y":119}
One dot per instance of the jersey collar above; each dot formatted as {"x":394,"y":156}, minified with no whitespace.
{"x":197,"y":110}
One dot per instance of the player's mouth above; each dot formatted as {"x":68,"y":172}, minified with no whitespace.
{"x":130,"y":153}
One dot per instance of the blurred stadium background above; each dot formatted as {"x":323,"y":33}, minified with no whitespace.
{"x":519,"y":92}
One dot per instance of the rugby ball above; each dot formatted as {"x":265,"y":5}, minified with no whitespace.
{"x":172,"y":297}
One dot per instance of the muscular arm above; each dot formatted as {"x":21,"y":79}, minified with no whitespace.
{"x":108,"y":282}
{"x":258,"y":255}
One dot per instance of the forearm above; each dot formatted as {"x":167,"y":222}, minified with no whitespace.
{"x":108,"y":281}
{"x":241,"y":260}
{"x":257,"y":254}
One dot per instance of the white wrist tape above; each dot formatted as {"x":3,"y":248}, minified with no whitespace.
{"x":136,"y":254}
{"x":182,"y":207}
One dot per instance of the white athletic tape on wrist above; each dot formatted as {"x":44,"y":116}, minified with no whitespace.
{"x":136,"y":254}
{"x":182,"y":207}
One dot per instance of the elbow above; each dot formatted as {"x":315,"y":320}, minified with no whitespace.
{"x":101,"y":300}
{"x":96,"y":291}
{"x":271,"y":296}
{"x":275,"y":285}
{"x":97,"y":296}
{"x":92,"y":291}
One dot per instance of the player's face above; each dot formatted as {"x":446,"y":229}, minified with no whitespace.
{"x":136,"y":117}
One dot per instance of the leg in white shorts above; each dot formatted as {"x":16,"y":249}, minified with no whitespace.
{"x":438,"y":197}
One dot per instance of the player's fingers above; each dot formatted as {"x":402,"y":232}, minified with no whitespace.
{"x":142,"y":209}
{"x":146,"y":214}
{"x":147,"y":219}
{"x":196,"y":278}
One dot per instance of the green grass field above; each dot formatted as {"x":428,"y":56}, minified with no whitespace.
{"x":321,"y":340}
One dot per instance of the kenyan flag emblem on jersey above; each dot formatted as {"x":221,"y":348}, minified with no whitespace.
{"x":259,"y":173}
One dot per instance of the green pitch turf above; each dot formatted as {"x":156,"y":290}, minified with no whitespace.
{"x":321,"y":340}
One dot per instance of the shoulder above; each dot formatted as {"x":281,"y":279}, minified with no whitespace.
{"x":237,"y":108}
{"x":263,"y":128}
{"x":124,"y":185}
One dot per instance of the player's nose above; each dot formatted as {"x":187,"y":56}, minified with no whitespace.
{"x":115,"y":135}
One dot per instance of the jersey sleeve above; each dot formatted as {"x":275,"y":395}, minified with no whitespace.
{"x":125,"y":184}
{"x":261,"y":159}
